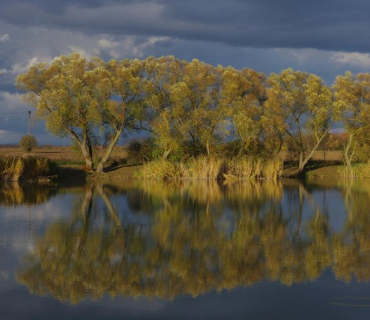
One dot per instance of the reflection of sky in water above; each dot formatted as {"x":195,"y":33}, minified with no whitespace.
{"x":323,"y":298}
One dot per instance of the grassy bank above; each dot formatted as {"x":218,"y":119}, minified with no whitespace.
{"x":203,"y":168}
{"x":361,"y":170}
{"x":26,"y":168}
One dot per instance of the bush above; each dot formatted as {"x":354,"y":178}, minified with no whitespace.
{"x":28,"y":143}
{"x":142,"y":151}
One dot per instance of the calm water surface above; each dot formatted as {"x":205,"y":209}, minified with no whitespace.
{"x":189,"y":250}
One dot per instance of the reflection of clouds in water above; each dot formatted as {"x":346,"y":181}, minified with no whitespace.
{"x":21,"y":224}
{"x":43,"y":212}
{"x":4,"y":274}
{"x":133,"y":304}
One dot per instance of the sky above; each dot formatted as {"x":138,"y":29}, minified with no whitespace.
{"x":325,"y":37}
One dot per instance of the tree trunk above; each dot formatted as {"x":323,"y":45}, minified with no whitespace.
{"x":87,"y":153}
{"x":208,"y":149}
{"x":85,"y":145}
{"x":109,"y":151}
{"x":301,"y":165}
{"x":112,"y":211}
{"x":303,"y":162}
{"x":166,"y":154}
{"x":347,"y":158}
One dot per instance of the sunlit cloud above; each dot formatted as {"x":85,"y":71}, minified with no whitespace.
{"x":356,"y":59}
{"x":4,"y":38}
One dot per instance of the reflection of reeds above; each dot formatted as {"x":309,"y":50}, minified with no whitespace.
{"x":259,"y":191}
{"x":204,"y":191}
{"x":204,"y":168}
{"x":14,"y":194}
{"x":25,"y":168}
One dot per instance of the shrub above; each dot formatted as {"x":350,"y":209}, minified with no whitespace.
{"x":28,"y":143}
{"x":144,"y":150}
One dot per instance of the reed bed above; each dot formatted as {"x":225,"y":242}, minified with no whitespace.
{"x":26,"y":168}
{"x":204,"y":168}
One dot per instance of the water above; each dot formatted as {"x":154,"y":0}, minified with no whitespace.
{"x":189,"y":250}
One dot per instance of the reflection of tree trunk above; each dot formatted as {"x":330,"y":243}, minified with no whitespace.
{"x":86,"y":209}
{"x":347,"y":200}
{"x":108,"y":203}
{"x":301,"y":199}
{"x":87,"y":203}
{"x":347,"y":156}
{"x":317,"y":217}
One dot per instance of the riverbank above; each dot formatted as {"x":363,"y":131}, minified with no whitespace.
{"x":72,"y":170}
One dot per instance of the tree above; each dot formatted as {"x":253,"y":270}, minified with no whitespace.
{"x":196,"y":99}
{"x":352,"y":98}
{"x":301,"y":104}
{"x":161,"y":118}
{"x":121,"y":87}
{"x":28,"y":143}
{"x":184,"y":99}
{"x":65,"y":96}
{"x":243,"y":97}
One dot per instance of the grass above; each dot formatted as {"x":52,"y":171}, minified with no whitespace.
{"x":359,"y":170}
{"x":61,"y":155}
{"x":27,"y":168}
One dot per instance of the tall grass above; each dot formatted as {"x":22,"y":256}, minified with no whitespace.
{"x":204,"y":168}
{"x":27,"y":168}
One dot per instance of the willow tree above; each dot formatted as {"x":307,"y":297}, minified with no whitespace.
{"x":63,"y":94}
{"x":184,"y":99}
{"x":244,"y":92}
{"x":196,"y":101}
{"x":161,"y":119}
{"x":303,"y":105}
{"x":352,"y":98}
{"x":121,"y":87}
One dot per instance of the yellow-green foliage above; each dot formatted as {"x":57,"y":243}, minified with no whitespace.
{"x":213,"y":169}
{"x":26,"y":168}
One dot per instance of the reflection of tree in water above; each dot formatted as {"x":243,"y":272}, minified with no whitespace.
{"x":14,"y":194}
{"x":352,"y":246}
{"x":193,"y":245}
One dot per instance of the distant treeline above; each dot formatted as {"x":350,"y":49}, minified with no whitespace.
{"x":193,"y":108}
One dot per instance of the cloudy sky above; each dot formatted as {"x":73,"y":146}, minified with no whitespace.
{"x":326,"y":37}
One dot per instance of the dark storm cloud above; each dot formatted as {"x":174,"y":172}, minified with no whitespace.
{"x":321,"y":24}
{"x":325,"y":37}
